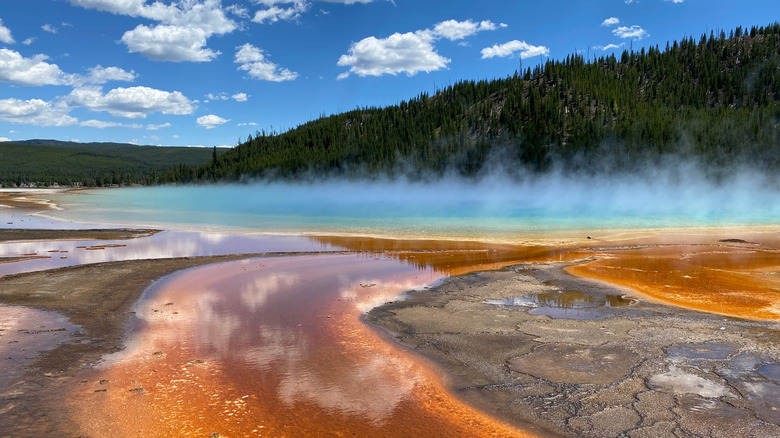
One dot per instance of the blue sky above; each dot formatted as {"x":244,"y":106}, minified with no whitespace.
{"x":210,"y":72}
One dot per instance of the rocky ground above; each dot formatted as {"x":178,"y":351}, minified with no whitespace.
{"x":568,"y":357}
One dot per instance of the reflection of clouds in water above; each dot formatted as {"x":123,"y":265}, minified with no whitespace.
{"x":366,"y":298}
{"x":214,"y":327}
{"x":167,"y":244}
{"x":278,"y":345}
{"x":255,"y":292}
{"x":371,"y":388}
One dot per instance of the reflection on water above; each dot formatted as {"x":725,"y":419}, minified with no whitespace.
{"x":24,"y":333}
{"x":566,"y":304}
{"x":282,"y":338}
{"x":167,"y":244}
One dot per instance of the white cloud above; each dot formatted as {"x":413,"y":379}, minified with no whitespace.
{"x":633,"y":32}
{"x":507,"y":49}
{"x":609,"y":46}
{"x":408,"y":53}
{"x":455,"y":30}
{"x":275,"y":13}
{"x":238,"y":10}
{"x":5,"y":34}
{"x":211,"y":96}
{"x":252,"y":60}
{"x":240,"y":97}
{"x":28,"y":41}
{"x":133,"y":102}
{"x":247,"y":124}
{"x":101,"y":75}
{"x":611,"y":21}
{"x":4,"y":139}
{"x":211,"y":121}
{"x":183,"y":33}
{"x":33,"y":71}
{"x":158,"y":127}
{"x":49,"y":28}
{"x":169,"y":43}
{"x":100,"y":124}
{"x":674,"y":1}
{"x":35,"y":112}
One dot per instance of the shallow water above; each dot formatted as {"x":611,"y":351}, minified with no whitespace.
{"x":25,"y":333}
{"x":565,"y":304}
{"x":166,"y":244}
{"x":274,"y":344}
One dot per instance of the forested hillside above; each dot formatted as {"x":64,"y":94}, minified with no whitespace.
{"x":49,"y":162}
{"x":716,"y":99}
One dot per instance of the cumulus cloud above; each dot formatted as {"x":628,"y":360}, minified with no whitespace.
{"x":169,"y":43}
{"x":409,"y":53}
{"x":4,"y":139}
{"x":611,"y":21}
{"x":273,"y":14}
{"x":185,"y":26}
{"x":5,"y":34}
{"x":633,"y":32}
{"x":101,"y":75}
{"x":133,"y":102}
{"x":240,"y":97}
{"x":455,"y":30}
{"x":35,"y":71}
{"x":211,"y":121}
{"x":507,"y":49}
{"x":35,"y":112}
{"x":252,"y":60}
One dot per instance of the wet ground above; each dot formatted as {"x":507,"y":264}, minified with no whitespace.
{"x":571,"y":357}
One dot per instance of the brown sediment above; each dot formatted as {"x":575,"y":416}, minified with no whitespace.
{"x":588,"y":367}
{"x":734,"y":277}
{"x":453,"y":257}
{"x":23,"y":235}
{"x":488,"y":353}
{"x":95,"y":297}
{"x":289,"y":358}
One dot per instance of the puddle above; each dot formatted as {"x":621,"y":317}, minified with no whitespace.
{"x":272,"y":343}
{"x":24,"y":334}
{"x":566,"y":304}
{"x":771,"y":371}
{"x":697,"y":353}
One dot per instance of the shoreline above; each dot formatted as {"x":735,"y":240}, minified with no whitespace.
{"x":509,"y":382}
{"x":563,"y":360}
{"x":99,"y":302}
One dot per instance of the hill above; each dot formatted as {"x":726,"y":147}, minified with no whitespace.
{"x":50,"y":162}
{"x":715,"y":100}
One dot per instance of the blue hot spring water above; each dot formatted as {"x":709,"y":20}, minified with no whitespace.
{"x":490,"y":209}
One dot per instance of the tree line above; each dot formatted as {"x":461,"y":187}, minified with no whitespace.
{"x":714,"y":99}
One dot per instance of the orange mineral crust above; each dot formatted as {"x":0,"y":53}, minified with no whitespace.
{"x":273,"y":347}
{"x":732,"y":277}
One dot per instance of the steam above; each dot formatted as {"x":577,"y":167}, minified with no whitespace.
{"x":499,"y":204}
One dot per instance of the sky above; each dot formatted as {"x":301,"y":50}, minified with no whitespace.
{"x":211,"y":72}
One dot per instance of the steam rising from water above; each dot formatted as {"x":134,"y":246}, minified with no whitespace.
{"x":494,"y":206}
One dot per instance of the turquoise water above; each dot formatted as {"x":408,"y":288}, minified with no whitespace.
{"x":489,"y":209}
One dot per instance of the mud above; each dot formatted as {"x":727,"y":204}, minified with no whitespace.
{"x":629,"y":368}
